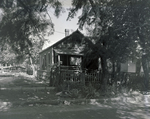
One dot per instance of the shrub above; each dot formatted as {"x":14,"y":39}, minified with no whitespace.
{"x":136,"y":83}
{"x":89,"y":92}
{"x":77,"y":90}
{"x":29,"y":71}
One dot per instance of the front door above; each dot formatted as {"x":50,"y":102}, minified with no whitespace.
{"x":65,"y":60}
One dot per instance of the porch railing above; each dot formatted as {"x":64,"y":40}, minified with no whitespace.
{"x":81,"y":77}
{"x":59,"y":74}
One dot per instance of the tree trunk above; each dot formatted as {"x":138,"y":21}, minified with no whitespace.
{"x":144,"y":60}
{"x":146,"y":72}
{"x":117,"y":74}
{"x":104,"y":70}
{"x":113,"y":71}
{"x":138,"y":67}
{"x":33,"y":68}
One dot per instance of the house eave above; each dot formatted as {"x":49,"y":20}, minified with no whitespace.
{"x":59,"y":41}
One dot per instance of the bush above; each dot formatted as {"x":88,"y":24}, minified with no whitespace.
{"x":89,"y":92}
{"x":77,"y":90}
{"x":68,"y":86}
{"x":29,"y":71}
{"x":136,"y":83}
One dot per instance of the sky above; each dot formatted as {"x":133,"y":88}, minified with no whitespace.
{"x":60,"y":24}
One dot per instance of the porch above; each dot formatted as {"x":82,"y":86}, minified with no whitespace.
{"x":68,"y":59}
{"x":60,"y":74}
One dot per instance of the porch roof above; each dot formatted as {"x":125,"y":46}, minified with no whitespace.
{"x":69,"y":52}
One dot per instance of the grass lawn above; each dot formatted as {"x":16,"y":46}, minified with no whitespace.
{"x":22,"y":95}
{"x":21,"y":90}
{"x":8,"y":81}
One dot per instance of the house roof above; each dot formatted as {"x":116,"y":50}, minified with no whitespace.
{"x":69,"y":52}
{"x":65,"y":38}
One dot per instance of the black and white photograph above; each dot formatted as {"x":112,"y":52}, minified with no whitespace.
{"x":74,"y":59}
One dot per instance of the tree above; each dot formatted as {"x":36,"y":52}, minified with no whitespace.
{"x":109,"y":44}
{"x":22,"y":21}
{"x":142,"y":29}
{"x":135,"y":20}
{"x":130,"y":22}
{"x":7,"y":55}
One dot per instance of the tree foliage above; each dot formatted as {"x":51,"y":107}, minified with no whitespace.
{"x":135,"y":20}
{"x":108,"y":43}
{"x":24,"y":23}
{"x":22,"y":19}
{"x":7,"y":55}
{"x":121,"y":29}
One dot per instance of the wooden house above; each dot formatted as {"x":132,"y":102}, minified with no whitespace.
{"x":66,"y":52}
{"x":64,"y":60}
{"x":69,"y":52}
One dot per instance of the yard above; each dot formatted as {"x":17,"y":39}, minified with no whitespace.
{"x":21,"y":90}
{"x":23,"y":97}
{"x":19,"y":80}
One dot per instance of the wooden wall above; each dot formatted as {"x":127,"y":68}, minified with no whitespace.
{"x":46,"y":59}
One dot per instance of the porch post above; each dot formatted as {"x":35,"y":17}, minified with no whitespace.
{"x":59,"y":59}
{"x":99,"y":64}
{"x":52,"y":50}
{"x":59,"y":71}
{"x":80,"y":63}
{"x":40,"y":62}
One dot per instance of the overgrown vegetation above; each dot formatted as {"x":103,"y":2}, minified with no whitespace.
{"x":78,"y":90}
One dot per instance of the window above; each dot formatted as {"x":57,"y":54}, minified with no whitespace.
{"x":41,"y":61}
{"x":75,"y":60}
{"x":45,"y":60}
{"x":43,"y":64}
{"x":56,"y":59}
{"x":49,"y":58}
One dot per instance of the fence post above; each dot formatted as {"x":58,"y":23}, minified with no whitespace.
{"x":60,"y":80}
{"x":50,"y":78}
{"x":83,"y":77}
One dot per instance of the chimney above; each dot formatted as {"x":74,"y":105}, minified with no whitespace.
{"x":66,"y":32}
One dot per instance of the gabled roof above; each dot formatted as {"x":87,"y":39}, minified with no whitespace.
{"x":60,"y":41}
{"x":69,"y":52}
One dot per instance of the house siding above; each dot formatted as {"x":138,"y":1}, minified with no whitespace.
{"x":128,"y":67}
{"x":46,"y":59}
